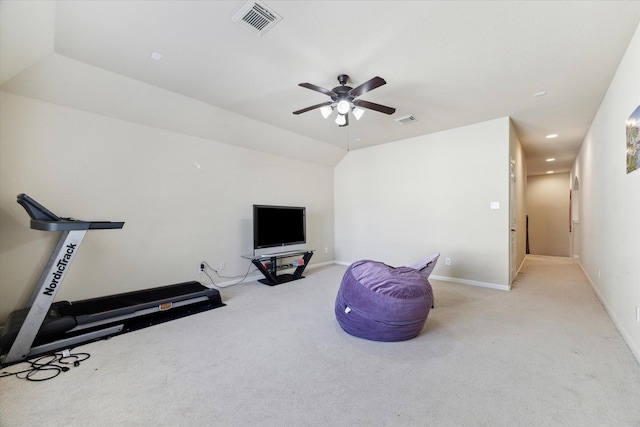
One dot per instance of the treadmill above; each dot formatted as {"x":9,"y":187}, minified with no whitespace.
{"x":45,"y":326}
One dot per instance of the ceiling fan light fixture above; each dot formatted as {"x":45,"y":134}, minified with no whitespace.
{"x":343,"y":107}
{"x":326,"y":111}
{"x":343,"y":99}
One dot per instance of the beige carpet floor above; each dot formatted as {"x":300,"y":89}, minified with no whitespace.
{"x":543,"y":354}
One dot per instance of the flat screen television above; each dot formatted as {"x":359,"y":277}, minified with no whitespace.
{"x":278,"y":229}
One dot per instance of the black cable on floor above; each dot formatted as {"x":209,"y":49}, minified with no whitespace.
{"x":48,"y":366}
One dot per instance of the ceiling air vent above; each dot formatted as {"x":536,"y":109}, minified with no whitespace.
{"x":256,"y":17}
{"x":406,"y":119}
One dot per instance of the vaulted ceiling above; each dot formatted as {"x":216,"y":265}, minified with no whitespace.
{"x":545,"y":64}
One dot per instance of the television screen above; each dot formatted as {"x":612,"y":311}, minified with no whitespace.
{"x":275,"y":226}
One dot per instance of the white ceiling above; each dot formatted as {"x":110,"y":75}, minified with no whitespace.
{"x":448,"y":63}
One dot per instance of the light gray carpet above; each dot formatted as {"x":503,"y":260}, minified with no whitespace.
{"x":543,"y":354}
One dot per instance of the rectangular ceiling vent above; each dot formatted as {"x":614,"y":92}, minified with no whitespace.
{"x":256,"y":17}
{"x":406,"y":119}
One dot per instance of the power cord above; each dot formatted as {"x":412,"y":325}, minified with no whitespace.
{"x":207,"y":266}
{"x":48,"y":366}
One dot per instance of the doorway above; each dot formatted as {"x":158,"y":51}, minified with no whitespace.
{"x":575,"y":218}
{"x":513,"y":254}
{"x":548,"y":208}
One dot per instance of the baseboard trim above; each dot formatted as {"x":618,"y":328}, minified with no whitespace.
{"x":455,"y":280}
{"x":320,"y":264}
{"x":471,"y":282}
{"x":635,"y":350}
{"x":344,"y":263}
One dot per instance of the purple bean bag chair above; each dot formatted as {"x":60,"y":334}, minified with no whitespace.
{"x":383,"y":303}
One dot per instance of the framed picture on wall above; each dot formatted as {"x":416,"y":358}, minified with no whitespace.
{"x":633,"y":141}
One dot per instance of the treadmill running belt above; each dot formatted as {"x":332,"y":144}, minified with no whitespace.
{"x":155,"y":296}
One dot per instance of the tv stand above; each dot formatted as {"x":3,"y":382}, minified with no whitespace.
{"x":268,"y":266}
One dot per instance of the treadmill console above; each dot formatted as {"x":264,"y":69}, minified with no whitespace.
{"x":45,"y":220}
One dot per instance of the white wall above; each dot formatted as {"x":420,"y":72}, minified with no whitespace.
{"x":184,"y":199}
{"x":401,"y":201}
{"x":27,"y":30}
{"x":548,"y":210}
{"x":609,"y":244}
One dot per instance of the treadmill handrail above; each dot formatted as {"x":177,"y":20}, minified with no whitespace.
{"x":36,"y":210}
{"x":45,"y":220}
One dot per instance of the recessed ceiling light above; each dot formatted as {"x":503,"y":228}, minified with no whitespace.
{"x":549,"y":172}
{"x":539,"y":94}
{"x":553,"y":135}
{"x":551,"y":159}
{"x":156,"y":56}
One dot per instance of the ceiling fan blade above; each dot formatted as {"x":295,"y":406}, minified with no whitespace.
{"x":367,"y":86}
{"x":317,"y":89}
{"x":313,"y":107}
{"x":373,"y":106}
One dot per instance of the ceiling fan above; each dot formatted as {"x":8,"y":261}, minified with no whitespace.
{"x":345,"y":99}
